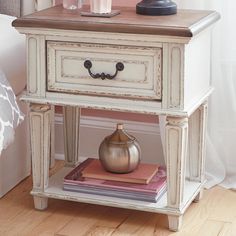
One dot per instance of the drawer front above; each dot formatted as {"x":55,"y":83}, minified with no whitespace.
{"x":140,"y":78}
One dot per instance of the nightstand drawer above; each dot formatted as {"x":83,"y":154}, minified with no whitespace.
{"x":140,"y":77}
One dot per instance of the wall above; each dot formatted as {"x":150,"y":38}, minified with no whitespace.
{"x":93,"y":129}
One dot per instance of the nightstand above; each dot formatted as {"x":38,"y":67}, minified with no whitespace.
{"x":131,"y":63}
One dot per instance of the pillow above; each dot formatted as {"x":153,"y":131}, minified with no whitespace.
{"x":10,"y":114}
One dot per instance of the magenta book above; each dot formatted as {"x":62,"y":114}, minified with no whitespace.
{"x":155,"y":185}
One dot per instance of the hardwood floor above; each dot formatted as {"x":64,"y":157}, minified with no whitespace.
{"x":214,"y":215}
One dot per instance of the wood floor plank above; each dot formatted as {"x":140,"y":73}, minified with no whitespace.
{"x":61,"y":216}
{"x":137,"y":223}
{"x":214,"y":228}
{"x":11,"y":204}
{"x":113,"y":217}
{"x":25,"y":220}
{"x":232,"y":230}
{"x":224,"y":204}
{"x":84,"y":221}
{"x":149,"y":227}
{"x":100,"y":231}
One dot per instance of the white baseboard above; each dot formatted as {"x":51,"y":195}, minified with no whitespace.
{"x":94,"y":129}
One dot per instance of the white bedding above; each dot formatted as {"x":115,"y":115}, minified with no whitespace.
{"x":12,"y":79}
{"x":10,"y":114}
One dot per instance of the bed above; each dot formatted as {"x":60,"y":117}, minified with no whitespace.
{"x":14,"y":159}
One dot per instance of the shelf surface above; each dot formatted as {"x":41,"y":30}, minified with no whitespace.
{"x":55,"y":190}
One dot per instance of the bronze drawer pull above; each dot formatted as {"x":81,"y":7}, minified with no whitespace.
{"x":88,"y":65}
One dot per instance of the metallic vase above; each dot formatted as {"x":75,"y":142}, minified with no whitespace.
{"x":119,"y":152}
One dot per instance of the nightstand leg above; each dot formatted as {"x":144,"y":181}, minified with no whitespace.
{"x":40,"y":203}
{"x":199,"y":196}
{"x":176,"y":152}
{"x":175,"y":222}
{"x":71,"y":134}
{"x":197,"y":147}
{"x":40,"y":124}
{"x":52,"y":138}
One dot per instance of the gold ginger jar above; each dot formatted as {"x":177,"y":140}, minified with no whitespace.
{"x":119,"y":152}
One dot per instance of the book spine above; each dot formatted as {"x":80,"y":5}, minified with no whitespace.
{"x":112,"y":178}
{"x":100,"y":189}
{"x":134,"y":197}
{"x":103,"y":185}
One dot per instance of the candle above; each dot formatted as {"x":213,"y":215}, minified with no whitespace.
{"x":100,"y":6}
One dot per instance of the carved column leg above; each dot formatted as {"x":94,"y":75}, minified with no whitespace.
{"x":176,"y":152}
{"x":52,"y":135}
{"x":40,"y":122}
{"x":71,"y":134}
{"x":197,"y":149}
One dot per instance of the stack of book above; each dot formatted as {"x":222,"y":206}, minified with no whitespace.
{"x":146,"y":183}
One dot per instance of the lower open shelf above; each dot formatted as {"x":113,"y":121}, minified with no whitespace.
{"x":55,"y":190}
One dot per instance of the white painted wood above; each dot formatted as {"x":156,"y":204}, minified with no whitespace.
{"x":114,"y":104}
{"x":52,"y":138}
{"x":197,"y":56}
{"x":55,"y":190}
{"x":32,"y":84}
{"x":71,"y":134}
{"x":176,"y":140}
{"x":175,"y":222}
{"x":141,"y":77}
{"x":40,"y":125}
{"x":194,"y":147}
{"x":36,"y":65}
{"x":164,"y":76}
{"x":177,"y":60}
{"x":197,"y":149}
{"x":199,"y":196}
{"x":40,"y":203}
{"x":175,"y":76}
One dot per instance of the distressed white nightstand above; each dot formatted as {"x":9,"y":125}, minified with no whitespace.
{"x":160,"y":65}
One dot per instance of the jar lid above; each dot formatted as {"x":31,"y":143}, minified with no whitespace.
{"x":120,"y":136}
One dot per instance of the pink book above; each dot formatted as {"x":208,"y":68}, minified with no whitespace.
{"x":75,"y":178}
{"x":142,"y":175}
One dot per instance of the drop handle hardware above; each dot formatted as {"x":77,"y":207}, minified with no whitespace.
{"x":88,"y":65}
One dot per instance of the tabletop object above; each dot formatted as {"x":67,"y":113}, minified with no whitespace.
{"x":156,"y":7}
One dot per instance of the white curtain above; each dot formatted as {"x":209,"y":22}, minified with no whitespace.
{"x":221,"y":136}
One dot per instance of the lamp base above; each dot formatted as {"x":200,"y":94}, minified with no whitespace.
{"x":156,"y":7}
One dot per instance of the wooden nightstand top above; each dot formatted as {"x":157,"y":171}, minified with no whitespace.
{"x":186,"y":23}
